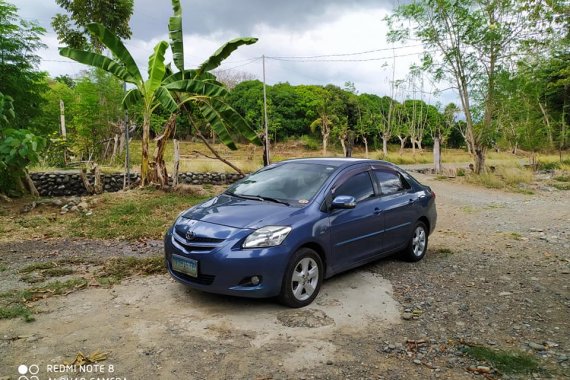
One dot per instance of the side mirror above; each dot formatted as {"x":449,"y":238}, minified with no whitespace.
{"x":343,"y":202}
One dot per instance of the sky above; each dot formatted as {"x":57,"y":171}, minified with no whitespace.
{"x":291,"y":28}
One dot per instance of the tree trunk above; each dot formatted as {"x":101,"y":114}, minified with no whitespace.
{"x":115,"y":147}
{"x":385,"y":145}
{"x":176,"y":162}
{"x":349,"y":143}
{"x":325,"y":140}
{"x":402,"y":143}
{"x":480,"y":159}
{"x":30,"y":184}
{"x":159,"y":174}
{"x":343,"y":144}
{"x":144,"y":150}
{"x":548,"y":126}
{"x":98,"y":187}
{"x":437,"y":154}
{"x":365,"y":147}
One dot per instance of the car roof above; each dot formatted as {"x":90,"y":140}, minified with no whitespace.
{"x":340,"y":161}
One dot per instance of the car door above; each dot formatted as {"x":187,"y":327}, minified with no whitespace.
{"x":398,"y":210}
{"x":355,"y":233}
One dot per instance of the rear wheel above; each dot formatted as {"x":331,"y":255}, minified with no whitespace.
{"x":303,"y":279}
{"x":417,"y":246}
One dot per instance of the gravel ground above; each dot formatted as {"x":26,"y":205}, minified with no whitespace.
{"x":496,"y":275}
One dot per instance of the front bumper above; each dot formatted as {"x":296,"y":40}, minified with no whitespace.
{"x":225,"y":269}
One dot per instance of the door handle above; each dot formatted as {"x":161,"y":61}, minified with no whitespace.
{"x":377,"y":211}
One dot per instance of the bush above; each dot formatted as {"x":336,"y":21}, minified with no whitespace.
{"x":18,"y":149}
{"x":310,"y":143}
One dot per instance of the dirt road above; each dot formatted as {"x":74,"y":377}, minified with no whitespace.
{"x":496,"y":275}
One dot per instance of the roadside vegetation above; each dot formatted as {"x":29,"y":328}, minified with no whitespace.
{"x":515,"y":103}
{"x":507,"y":363}
{"x":132,"y":215}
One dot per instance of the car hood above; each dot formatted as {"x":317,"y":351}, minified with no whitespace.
{"x":241,"y":213}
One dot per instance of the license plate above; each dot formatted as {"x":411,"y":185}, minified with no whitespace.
{"x":185,"y":265}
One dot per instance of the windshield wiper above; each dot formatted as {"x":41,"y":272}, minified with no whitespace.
{"x":259,"y":198}
{"x":273,"y":200}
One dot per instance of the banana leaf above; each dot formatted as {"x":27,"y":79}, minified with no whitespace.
{"x":224,"y":52}
{"x":98,"y":60}
{"x":156,"y":67}
{"x":115,"y":45}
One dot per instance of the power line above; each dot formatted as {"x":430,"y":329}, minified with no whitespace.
{"x":349,"y":54}
{"x":250,"y":61}
{"x":302,"y":60}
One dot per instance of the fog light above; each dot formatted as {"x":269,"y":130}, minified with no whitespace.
{"x":255,"y":280}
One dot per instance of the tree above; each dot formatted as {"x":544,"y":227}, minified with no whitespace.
{"x":18,"y":149}
{"x":467,"y":42}
{"x":20,"y":79}
{"x":157,"y":91}
{"x":326,"y":110}
{"x":95,"y":112}
{"x":231,"y":78}
{"x":369,"y":117}
{"x":71,"y":28}
{"x":440,"y":126}
{"x":6,"y":110}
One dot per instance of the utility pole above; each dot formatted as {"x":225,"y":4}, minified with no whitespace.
{"x":63,"y":130}
{"x":266,"y":150}
{"x":127,"y":178}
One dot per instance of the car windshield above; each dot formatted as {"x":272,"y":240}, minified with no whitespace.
{"x":290,"y":183}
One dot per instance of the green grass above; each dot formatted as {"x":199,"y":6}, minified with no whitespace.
{"x":38,"y":267}
{"x":62,"y":287}
{"x":131,"y":215}
{"x":38,"y":272}
{"x":505,"y":362}
{"x":147,"y":216}
{"x":561,"y":185}
{"x":57,"y":272}
{"x":562,"y":178}
{"x":14,"y":303}
{"x":117,"y":269}
{"x":16,"y":311}
{"x":3,"y":268}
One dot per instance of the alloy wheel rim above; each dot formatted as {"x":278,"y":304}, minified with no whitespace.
{"x":419,"y":241}
{"x":305,"y":279}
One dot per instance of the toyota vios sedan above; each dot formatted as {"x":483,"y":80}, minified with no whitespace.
{"x":284,"y":229}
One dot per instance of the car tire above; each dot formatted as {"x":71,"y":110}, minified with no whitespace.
{"x":417,"y":246}
{"x":302,"y":279}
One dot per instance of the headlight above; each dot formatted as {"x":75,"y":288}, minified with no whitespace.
{"x":267,"y":237}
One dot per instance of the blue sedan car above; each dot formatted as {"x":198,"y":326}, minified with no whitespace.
{"x":284,"y":229}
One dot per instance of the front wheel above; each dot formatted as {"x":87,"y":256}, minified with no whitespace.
{"x":303,"y":279}
{"x":417,"y":246}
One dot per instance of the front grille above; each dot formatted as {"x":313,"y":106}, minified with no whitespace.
{"x":200,"y":239}
{"x":202,"y":279}
{"x":198,"y":244}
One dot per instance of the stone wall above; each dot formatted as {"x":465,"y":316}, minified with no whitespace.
{"x":69,"y":182}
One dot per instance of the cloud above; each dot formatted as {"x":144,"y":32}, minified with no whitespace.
{"x":285,"y":29}
{"x":205,"y":17}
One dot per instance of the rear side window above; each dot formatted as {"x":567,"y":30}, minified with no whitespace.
{"x":359,"y":186}
{"x":390,"y":182}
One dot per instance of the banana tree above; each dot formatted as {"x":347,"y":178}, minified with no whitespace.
{"x":224,"y":121}
{"x":153,"y":92}
{"x":123,"y":66}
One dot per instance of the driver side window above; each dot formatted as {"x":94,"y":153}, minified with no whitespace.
{"x":358,"y":186}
